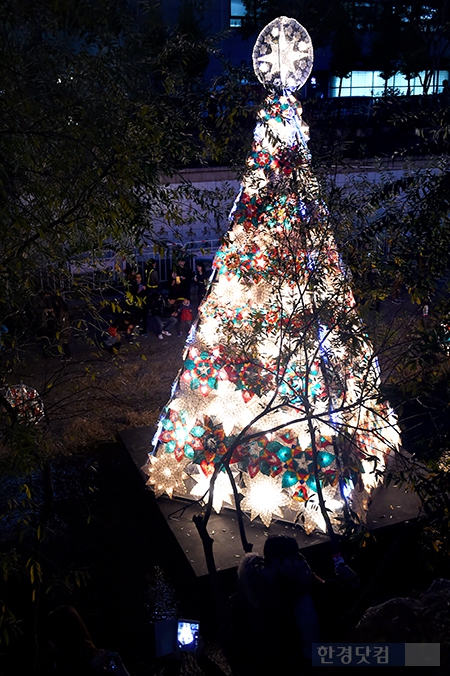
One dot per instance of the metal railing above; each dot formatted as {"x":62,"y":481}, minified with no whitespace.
{"x":98,"y":271}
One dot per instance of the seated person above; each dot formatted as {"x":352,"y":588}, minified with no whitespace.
{"x":164,"y":315}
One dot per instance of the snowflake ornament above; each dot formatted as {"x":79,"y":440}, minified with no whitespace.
{"x":223,"y":491}
{"x":166,"y":474}
{"x":27,"y":402}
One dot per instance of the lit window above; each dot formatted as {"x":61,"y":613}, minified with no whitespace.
{"x":370,"y":83}
{"x":364,"y":15}
{"x":237,"y":11}
{"x":237,"y":8}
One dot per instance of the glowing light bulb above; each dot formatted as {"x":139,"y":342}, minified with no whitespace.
{"x":264,"y":497}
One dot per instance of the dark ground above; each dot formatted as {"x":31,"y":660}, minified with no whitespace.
{"x":138,"y":573}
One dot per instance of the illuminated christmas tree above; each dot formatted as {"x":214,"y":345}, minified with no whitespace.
{"x":278,"y":399}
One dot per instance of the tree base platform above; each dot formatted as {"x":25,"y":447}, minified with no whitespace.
{"x":389,"y":506}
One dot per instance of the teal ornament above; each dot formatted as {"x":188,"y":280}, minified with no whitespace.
{"x":264,"y":467}
{"x":167,"y":424}
{"x":197,"y":431}
{"x":284,"y":454}
{"x":325,"y":459}
{"x":283,"y":389}
{"x":315,"y":390}
{"x":171,"y":446}
{"x":273,"y":446}
{"x":312,"y":483}
{"x":189,"y":364}
{"x":289,"y":479}
{"x":189,"y":452}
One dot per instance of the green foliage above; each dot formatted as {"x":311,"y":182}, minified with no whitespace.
{"x":395,"y":233}
{"x":59,"y":584}
{"x":9,"y":626}
{"x":95,"y":113}
{"x":99,"y":106}
{"x":397,"y":230}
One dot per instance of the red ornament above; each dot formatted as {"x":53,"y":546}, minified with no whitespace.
{"x":253,"y":469}
{"x":207,"y":467}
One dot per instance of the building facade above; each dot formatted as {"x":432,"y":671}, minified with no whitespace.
{"x":370,"y":48}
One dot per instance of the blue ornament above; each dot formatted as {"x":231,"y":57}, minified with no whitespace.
{"x":289,"y":479}
{"x":325,"y":459}
{"x":284,"y":454}
{"x":189,"y":452}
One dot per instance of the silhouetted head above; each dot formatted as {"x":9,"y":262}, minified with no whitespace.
{"x":278,"y":548}
{"x":283,"y":558}
{"x":68,"y":635}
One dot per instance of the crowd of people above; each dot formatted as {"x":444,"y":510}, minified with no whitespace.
{"x":278,"y":597}
{"x":147,"y":307}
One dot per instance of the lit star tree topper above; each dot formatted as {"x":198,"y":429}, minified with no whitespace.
{"x":283,"y":55}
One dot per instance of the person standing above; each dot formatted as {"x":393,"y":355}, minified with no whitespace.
{"x":181,"y":281}
{"x":185,"y":317}
{"x":152,"y":277}
{"x":140,"y":303}
{"x":200,"y":278}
